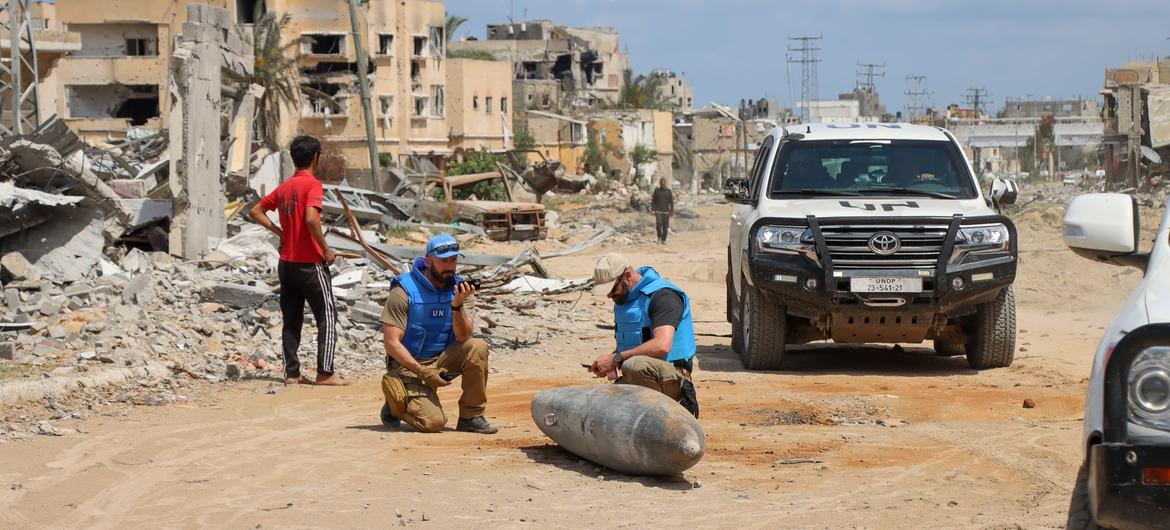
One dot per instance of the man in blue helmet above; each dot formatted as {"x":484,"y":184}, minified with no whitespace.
{"x":654,"y":330}
{"x":427,"y":335}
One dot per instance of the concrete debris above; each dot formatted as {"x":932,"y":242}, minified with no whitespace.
{"x":17,"y":268}
{"x":66,"y":250}
{"x":236,"y":295}
{"x":14,"y":197}
{"x":8,"y":351}
{"x":533,"y":284}
{"x":252,"y":241}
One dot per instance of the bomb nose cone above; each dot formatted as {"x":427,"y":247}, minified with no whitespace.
{"x":691,"y":448}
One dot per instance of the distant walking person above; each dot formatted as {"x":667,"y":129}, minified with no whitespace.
{"x":662,"y":204}
{"x":305,"y":258}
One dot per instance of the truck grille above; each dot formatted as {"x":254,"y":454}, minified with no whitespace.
{"x":849,"y":246}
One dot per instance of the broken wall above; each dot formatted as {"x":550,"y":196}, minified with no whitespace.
{"x":104,"y":22}
{"x":109,"y":40}
{"x":209,"y":55}
{"x":136,"y":103}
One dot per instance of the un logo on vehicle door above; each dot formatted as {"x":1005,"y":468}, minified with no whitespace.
{"x":884,"y":243}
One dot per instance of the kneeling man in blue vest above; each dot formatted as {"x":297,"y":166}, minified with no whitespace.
{"x":427,"y":335}
{"x":654,"y":330}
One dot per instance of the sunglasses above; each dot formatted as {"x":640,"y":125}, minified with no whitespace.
{"x":449,"y":247}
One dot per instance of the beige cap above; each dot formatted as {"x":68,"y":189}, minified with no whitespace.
{"x":607,"y":269}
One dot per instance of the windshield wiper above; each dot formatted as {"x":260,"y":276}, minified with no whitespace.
{"x":909,"y":191}
{"x":833,"y":193}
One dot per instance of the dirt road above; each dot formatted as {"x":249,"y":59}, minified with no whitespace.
{"x":844,"y":437}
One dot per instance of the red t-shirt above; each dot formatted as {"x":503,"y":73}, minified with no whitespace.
{"x":292,"y":199}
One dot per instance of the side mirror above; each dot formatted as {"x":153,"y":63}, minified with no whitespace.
{"x":737,"y":190}
{"x":1003,"y":192}
{"x":1105,"y":227}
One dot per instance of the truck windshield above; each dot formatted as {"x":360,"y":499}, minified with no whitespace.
{"x":870,"y":167}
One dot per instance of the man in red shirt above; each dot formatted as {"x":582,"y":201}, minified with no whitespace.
{"x":305,"y":258}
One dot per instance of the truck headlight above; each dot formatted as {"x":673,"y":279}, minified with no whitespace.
{"x":786,"y":240}
{"x":1149,"y":388}
{"x":979,"y":243}
{"x":994,"y":236}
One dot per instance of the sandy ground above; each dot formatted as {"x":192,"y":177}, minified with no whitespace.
{"x":954,"y":447}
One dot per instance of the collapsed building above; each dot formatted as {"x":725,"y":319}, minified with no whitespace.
{"x":716,"y":142}
{"x":113,"y":84}
{"x":1136,"y":114}
{"x":65,"y":203}
{"x":556,"y":68}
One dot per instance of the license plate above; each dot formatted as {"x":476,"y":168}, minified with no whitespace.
{"x":885,"y":285}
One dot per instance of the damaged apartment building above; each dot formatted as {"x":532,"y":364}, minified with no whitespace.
{"x":1136,"y":115}
{"x":556,"y":68}
{"x":405,"y":47}
{"x":116,"y":81}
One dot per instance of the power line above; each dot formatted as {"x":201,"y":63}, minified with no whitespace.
{"x":918,"y":94}
{"x":867,"y":72}
{"x":805,"y":54}
{"x":977,"y":99}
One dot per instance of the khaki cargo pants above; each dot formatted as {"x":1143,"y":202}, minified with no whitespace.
{"x":655,"y":374}
{"x":423,"y":411}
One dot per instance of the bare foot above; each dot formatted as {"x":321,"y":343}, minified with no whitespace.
{"x":298,"y":379}
{"x":331,"y":380}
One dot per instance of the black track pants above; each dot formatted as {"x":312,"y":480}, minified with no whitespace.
{"x":301,"y":282}
{"x":662,"y":225}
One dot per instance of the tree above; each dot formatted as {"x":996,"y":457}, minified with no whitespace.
{"x":275,"y":69}
{"x":641,"y":155}
{"x":523,"y":140}
{"x":450,"y":27}
{"x":477,"y":162}
{"x":641,"y":92}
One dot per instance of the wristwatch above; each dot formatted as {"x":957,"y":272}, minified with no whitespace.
{"x":457,"y":308}
{"x":617,"y":358}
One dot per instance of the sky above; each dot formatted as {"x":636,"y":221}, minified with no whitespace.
{"x":733,"y":49}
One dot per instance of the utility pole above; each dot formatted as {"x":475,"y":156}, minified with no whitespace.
{"x":805,"y":54}
{"x":977,"y":99}
{"x":367,"y":107}
{"x":918,"y":94}
{"x":18,"y":69}
{"x":866,"y":73}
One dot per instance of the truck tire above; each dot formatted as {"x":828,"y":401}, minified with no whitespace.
{"x":733,"y":305}
{"x":764,"y":325}
{"x":994,"y":343}
{"x":949,"y":348}
{"x":737,"y":336}
{"x":1080,"y":514}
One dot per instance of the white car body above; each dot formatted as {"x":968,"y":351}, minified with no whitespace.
{"x":838,"y":269}
{"x":1149,"y":303}
{"x":747,"y":215}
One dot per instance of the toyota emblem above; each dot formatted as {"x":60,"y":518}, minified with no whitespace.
{"x":884,"y":243}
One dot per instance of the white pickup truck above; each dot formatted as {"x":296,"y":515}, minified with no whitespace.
{"x":1125,"y":479}
{"x":869,"y":232}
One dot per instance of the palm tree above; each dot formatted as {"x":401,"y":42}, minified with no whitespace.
{"x":452,"y":25}
{"x":275,"y":69}
{"x":640,"y":92}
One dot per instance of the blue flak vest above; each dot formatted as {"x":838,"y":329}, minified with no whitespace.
{"x":633,"y":316}
{"x":428,"y":321}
